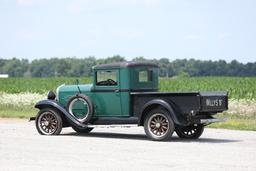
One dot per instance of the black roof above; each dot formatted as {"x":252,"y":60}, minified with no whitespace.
{"x":125,"y":65}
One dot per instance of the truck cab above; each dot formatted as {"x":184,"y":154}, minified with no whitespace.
{"x":113,"y":83}
{"x":127,"y":93}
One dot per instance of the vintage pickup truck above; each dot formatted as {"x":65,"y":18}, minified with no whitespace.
{"x":127,"y":93}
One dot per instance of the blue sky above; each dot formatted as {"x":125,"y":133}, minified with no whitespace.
{"x":201,"y":29}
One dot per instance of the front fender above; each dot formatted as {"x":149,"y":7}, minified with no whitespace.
{"x":55,"y":105}
{"x":164,"y":104}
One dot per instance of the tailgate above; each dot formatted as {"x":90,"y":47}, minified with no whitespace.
{"x":214,"y":101}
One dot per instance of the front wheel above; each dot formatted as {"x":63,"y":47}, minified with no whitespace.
{"x":158,"y":125}
{"x":190,"y":132}
{"x":48,"y":122}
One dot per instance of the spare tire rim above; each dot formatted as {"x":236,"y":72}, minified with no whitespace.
{"x":47,"y":123}
{"x":73,"y":103}
{"x":158,"y":125}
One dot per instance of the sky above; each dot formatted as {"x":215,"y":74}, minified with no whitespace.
{"x":173,"y":29}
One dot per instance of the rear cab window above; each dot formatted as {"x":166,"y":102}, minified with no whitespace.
{"x":145,"y":76}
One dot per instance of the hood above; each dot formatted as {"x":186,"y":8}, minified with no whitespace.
{"x":74,"y":88}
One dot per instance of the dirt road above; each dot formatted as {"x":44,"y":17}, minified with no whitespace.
{"x":22,"y":148}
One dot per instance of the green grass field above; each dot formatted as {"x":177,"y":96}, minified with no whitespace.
{"x":242,"y":90}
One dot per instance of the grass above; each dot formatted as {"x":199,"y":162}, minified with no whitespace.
{"x":236,"y":122}
{"x":9,"y":111}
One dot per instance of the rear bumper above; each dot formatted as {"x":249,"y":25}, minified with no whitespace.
{"x":213,"y":120}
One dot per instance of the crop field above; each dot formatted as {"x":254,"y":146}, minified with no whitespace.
{"x":36,"y":85}
{"x":238,"y":87}
{"x":18,"y":95}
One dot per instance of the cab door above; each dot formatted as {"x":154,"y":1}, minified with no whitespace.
{"x":106,"y":93}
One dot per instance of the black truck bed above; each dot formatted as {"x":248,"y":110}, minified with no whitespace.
{"x":183,"y":102}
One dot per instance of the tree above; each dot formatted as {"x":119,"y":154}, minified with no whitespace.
{"x":15,"y":67}
{"x":76,"y":67}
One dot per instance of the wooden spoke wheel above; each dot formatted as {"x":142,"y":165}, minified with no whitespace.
{"x":48,"y":122}
{"x":158,"y":125}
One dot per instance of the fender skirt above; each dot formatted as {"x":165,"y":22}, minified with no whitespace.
{"x":176,"y":119}
{"x":55,"y":105}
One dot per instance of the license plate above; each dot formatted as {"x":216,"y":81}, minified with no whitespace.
{"x":214,"y":102}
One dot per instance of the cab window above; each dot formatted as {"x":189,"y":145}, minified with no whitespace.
{"x":106,"y":78}
{"x":145,"y":76}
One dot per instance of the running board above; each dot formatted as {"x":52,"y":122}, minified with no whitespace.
{"x":114,"y":120}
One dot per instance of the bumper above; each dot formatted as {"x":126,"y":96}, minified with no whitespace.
{"x":213,"y":120}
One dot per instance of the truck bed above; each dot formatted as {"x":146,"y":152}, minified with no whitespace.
{"x":183,"y":102}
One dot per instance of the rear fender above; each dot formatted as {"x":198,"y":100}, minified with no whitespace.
{"x":55,"y":105}
{"x":160,"y":103}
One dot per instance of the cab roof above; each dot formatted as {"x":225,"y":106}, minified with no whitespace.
{"x":125,"y":65}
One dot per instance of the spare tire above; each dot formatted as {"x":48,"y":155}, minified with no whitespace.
{"x":81,"y":107}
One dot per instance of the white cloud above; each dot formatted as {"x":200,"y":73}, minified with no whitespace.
{"x":150,"y":3}
{"x":223,"y":36}
{"x":30,"y":35}
{"x":194,"y":37}
{"x":74,"y":8}
{"x":79,"y":6}
{"x":25,"y":2}
{"x":135,"y":2}
{"x":28,"y":2}
{"x":213,"y":37}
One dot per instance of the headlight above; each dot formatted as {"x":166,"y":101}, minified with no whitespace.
{"x":51,"y":95}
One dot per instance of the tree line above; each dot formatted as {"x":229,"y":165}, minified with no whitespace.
{"x":76,"y":67}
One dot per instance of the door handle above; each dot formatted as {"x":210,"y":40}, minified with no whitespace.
{"x":117,"y":91}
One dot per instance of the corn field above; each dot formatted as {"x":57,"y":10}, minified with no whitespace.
{"x":238,"y":87}
{"x":37,"y":85}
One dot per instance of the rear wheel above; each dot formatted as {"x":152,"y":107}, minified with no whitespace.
{"x":82,"y":130}
{"x":190,"y":132}
{"x":48,"y":122}
{"x":158,"y":125}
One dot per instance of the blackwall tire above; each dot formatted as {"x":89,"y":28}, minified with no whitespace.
{"x":48,"y":122}
{"x":158,"y":125}
{"x":87,"y":101}
{"x":82,"y":130}
{"x":190,"y":132}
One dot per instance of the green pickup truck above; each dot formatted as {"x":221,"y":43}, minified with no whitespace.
{"x":127,"y":93}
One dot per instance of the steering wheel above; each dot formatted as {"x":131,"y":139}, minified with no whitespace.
{"x":111,"y":82}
